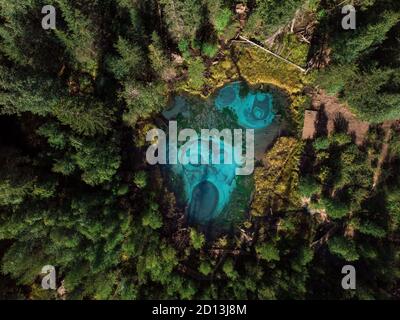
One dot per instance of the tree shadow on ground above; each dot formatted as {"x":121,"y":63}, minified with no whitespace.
{"x":321,"y":125}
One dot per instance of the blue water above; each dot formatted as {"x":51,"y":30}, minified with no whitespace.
{"x":208,"y":187}
{"x":254,"y":110}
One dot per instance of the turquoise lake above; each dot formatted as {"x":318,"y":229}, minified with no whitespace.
{"x":207,"y":189}
{"x":253,"y":110}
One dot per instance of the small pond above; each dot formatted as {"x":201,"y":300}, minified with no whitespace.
{"x":213,"y":193}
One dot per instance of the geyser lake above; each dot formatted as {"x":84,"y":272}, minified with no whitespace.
{"x":214,"y":197}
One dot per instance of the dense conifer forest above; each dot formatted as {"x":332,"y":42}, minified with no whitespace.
{"x":77,"y":193}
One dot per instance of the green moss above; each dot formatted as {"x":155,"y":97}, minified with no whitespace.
{"x":222,"y":72}
{"x":294,"y":50}
{"x":257,"y":66}
{"x":196,"y":74}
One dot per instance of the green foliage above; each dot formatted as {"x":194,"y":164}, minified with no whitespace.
{"x":197,"y":239}
{"x":18,"y":183}
{"x":279,"y":181}
{"x":159,"y":62}
{"x":375,"y":95}
{"x":270,"y":15}
{"x":27,"y":93}
{"x":268,"y":252}
{"x":22,"y":36}
{"x":152,"y":217}
{"x":159,"y":265}
{"x":85,"y":117}
{"x":344,"y":248}
{"x":395,"y":145}
{"x":393,"y":203}
{"x":184,"y":46}
{"x":205,"y":268}
{"x":343,"y":173}
{"x":340,"y":139}
{"x":321,"y":143}
{"x":222,"y":19}
{"x":335,"y":209}
{"x":68,"y":160}
{"x":55,"y":137}
{"x":229,"y":269}
{"x":80,"y":38}
{"x":182,"y":17}
{"x":360,"y":74}
{"x":308,"y":186}
{"x":210,"y":49}
{"x":369,"y":228}
{"x":304,"y":257}
{"x":140,"y":179}
{"x":98,"y":161}
{"x":13,"y":193}
{"x":130,"y":63}
{"x":99,"y":164}
{"x":143,"y":101}
{"x":335,"y":78}
{"x":196,"y":73}
{"x":349,"y":47}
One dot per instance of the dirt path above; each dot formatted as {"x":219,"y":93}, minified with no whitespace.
{"x":336,"y":114}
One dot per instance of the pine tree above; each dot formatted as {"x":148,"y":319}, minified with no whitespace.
{"x":81,"y":38}
{"x":349,"y":47}
{"x":183,"y":18}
